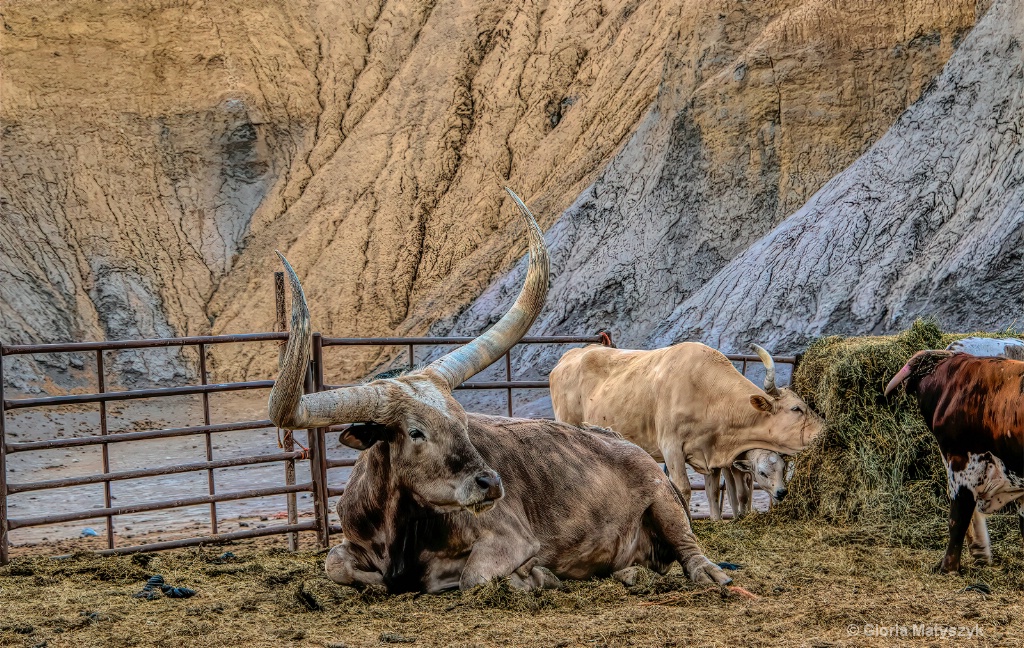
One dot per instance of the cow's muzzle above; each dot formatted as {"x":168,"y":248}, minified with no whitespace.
{"x":781,"y":493}
{"x":481,"y":491}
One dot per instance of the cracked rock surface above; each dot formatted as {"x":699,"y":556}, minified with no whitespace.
{"x":156,"y":153}
{"x":748,"y":124}
{"x":930,"y":221}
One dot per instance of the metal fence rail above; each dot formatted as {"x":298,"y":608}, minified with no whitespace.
{"x":317,"y":456}
{"x":318,"y":461}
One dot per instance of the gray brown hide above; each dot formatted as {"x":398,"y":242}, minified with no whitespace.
{"x":442,"y":499}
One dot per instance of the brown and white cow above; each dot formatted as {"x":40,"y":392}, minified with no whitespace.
{"x":1012,"y":348}
{"x":441,"y":498}
{"x":684,"y":404}
{"x":975,"y":408}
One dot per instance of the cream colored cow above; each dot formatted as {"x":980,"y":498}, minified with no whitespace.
{"x":684,"y":404}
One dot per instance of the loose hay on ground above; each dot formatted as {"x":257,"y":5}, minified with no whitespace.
{"x":813,"y":581}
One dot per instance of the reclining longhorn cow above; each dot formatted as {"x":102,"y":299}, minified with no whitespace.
{"x":442,"y":499}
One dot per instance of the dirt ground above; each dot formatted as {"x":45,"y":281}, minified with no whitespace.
{"x":815,"y":586}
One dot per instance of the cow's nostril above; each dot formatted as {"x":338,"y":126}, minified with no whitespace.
{"x":484,"y":482}
{"x":779,"y":494}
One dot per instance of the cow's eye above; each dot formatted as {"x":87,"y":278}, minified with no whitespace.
{"x":796,"y":408}
{"x":416,"y":435}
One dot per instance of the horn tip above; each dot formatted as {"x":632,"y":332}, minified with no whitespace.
{"x":287,"y":266}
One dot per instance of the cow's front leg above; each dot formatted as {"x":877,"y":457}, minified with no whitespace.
{"x":342,"y":568}
{"x":977,"y":538}
{"x":501,"y":556}
{"x":675,"y":462}
{"x":713,"y":491}
{"x":961,"y":510}
{"x":673,"y":525}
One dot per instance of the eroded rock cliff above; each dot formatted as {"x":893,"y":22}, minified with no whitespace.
{"x":747,"y":126}
{"x":929,"y":222}
{"x":155,"y":153}
{"x":142,"y":142}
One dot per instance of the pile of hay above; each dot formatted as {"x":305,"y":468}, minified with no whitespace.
{"x":876,"y":465}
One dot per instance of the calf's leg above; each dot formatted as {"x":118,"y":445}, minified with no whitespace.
{"x":713,"y":491}
{"x":738,"y":485}
{"x":961,"y":511}
{"x":977,"y":538}
{"x":1020,"y":519}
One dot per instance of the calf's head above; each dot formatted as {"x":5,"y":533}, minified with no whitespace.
{"x":430,"y":452}
{"x":768,"y":469}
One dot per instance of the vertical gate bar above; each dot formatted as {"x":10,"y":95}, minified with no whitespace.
{"x":288,"y":441}
{"x":316,"y":437}
{"x":321,"y":439}
{"x":412,"y":356}
{"x":744,"y":368}
{"x":102,"y":386}
{"x":508,"y":378}
{"x":203,"y":378}
{"x":3,"y":467}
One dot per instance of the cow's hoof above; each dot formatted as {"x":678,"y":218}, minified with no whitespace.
{"x":548,"y":580}
{"x":627,"y":576}
{"x":983,"y":556}
{"x":701,"y":570}
{"x":947,"y":567}
{"x":540,"y":578}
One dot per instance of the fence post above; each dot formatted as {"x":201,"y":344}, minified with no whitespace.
{"x":102,"y":385}
{"x":317,"y":445}
{"x":288,"y":442}
{"x":3,"y":467}
{"x":211,"y":486}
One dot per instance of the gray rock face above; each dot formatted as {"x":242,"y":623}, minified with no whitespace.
{"x":928,"y":222}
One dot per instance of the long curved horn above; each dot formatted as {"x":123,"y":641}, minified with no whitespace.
{"x":769,"y":371}
{"x":288,"y":407}
{"x":900,"y":376}
{"x":459,"y":365}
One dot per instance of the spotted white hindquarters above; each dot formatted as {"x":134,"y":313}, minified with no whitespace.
{"x":986,"y":477}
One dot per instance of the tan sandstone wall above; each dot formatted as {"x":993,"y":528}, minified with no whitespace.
{"x":155,"y":153}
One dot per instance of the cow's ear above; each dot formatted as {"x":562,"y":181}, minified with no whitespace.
{"x":362,"y":436}
{"x":761,"y":403}
{"x":743,"y":465}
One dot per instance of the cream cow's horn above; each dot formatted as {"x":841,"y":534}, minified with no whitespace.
{"x":769,"y":371}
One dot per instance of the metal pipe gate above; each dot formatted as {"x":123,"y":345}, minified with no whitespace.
{"x":318,"y":460}
{"x":319,"y":463}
